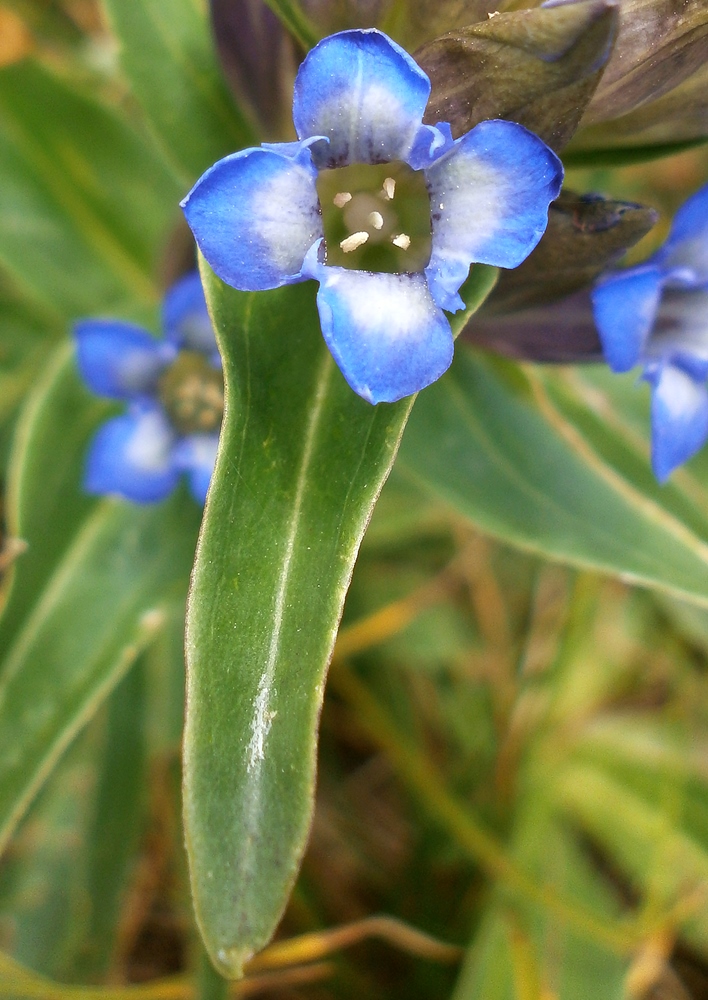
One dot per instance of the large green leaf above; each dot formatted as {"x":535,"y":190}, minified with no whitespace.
{"x":84,"y":204}
{"x":168,"y":56}
{"x":301,"y":463}
{"x":515,"y":453}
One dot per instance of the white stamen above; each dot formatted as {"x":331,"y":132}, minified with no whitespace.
{"x":389,"y":188}
{"x":402,"y":240}
{"x":341,"y":198}
{"x":376,"y":220}
{"x":354,"y":241}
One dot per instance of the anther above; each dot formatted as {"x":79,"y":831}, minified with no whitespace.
{"x":389,"y":188}
{"x":354,"y":241}
{"x":376,"y":220}
{"x":341,"y":198}
{"x":402,"y":240}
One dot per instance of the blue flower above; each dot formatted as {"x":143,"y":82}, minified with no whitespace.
{"x":359,"y":99}
{"x":175,"y":394}
{"x":656,"y":315}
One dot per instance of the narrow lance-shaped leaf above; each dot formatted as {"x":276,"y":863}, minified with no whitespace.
{"x":511,"y":452}
{"x":301,"y":462}
{"x":535,"y":67}
{"x":97,"y":601}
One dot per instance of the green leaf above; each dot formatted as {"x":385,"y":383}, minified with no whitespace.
{"x":168,"y":56}
{"x":646,"y":837}
{"x":536,"y":67}
{"x":45,"y":505}
{"x":491,"y":441}
{"x":66,"y":872}
{"x":43,"y":877}
{"x":85,"y":605}
{"x":116,"y":822}
{"x":99,"y":610}
{"x":624,"y":155}
{"x":84,"y":205}
{"x":301,"y":463}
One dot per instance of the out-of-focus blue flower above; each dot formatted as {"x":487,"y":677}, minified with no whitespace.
{"x":359,"y":99}
{"x":174,"y":389}
{"x":656,"y":315}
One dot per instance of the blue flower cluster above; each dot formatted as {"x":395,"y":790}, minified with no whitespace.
{"x":174,"y":389}
{"x":359,"y":99}
{"x":656,"y":315}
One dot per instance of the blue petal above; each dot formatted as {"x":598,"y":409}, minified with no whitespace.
{"x":365,"y":94}
{"x":679,"y":418}
{"x":384,"y":331}
{"x":489,"y":198}
{"x":185,"y":316}
{"x":196,"y":455}
{"x":687,"y":243}
{"x":132,"y":455}
{"x":625,"y":306}
{"x":119,"y":360}
{"x":254,"y":216}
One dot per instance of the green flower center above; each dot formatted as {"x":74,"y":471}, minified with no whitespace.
{"x":192,"y":393}
{"x":376,"y":218}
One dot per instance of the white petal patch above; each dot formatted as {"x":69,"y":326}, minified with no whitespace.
{"x":149,"y":447}
{"x":682,"y":324}
{"x":677,"y":393}
{"x":468,"y":202}
{"x":384,"y":330}
{"x":286,"y":216}
{"x":392,"y":307}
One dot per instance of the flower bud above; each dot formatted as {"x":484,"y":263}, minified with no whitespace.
{"x":536,"y":67}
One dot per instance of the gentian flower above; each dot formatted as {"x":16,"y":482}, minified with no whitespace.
{"x":175,"y":393}
{"x":656,"y":315}
{"x":359,"y":99}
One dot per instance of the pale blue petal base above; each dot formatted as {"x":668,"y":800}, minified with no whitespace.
{"x":386,"y":334}
{"x":679,"y":418}
{"x":686,"y":248}
{"x":254,"y":216}
{"x":196,"y":455}
{"x":119,"y":360}
{"x":185,"y":318}
{"x":131,"y":455}
{"x":489,"y":198}
{"x":365,"y":94}
{"x":625,"y":306}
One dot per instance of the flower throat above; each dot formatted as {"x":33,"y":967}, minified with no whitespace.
{"x":192,"y":393}
{"x":376,"y":218}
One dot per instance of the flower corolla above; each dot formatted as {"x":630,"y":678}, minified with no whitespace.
{"x":359,"y":99}
{"x":656,"y":315}
{"x":175,"y":394}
